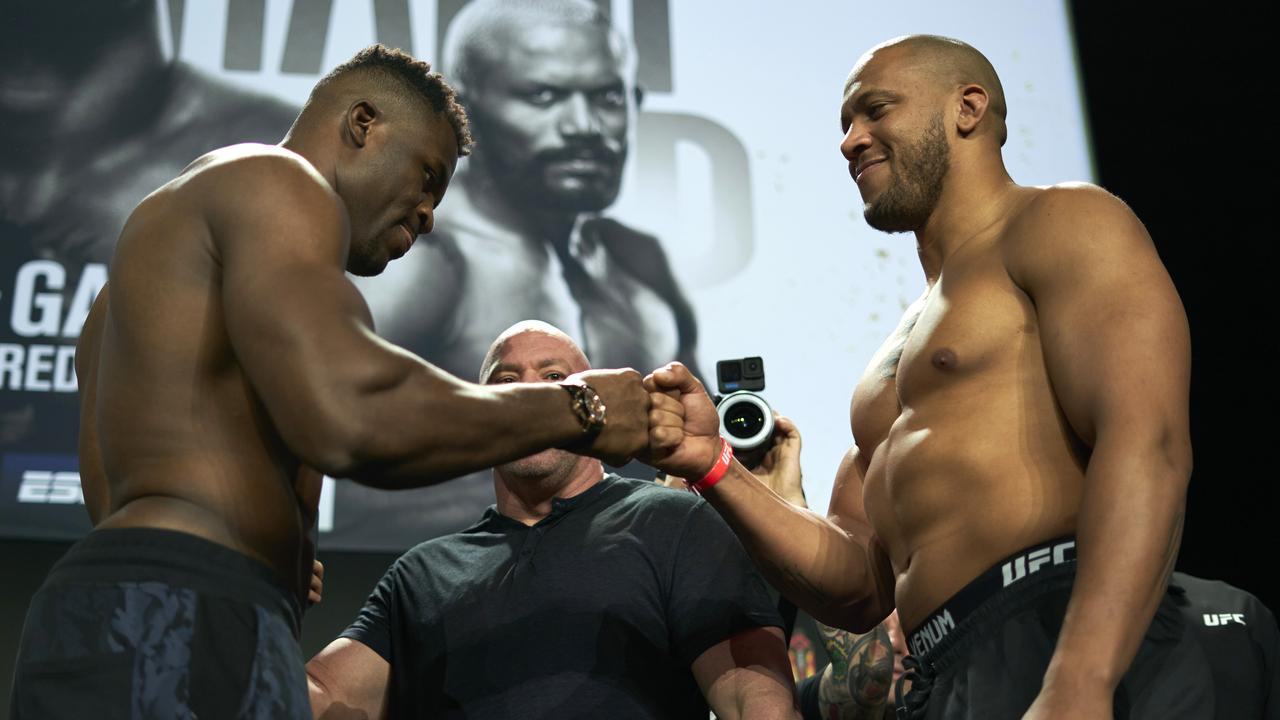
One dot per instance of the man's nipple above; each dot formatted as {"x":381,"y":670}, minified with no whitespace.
{"x":944,"y":359}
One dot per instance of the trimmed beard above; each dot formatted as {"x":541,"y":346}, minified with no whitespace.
{"x":915,"y":183}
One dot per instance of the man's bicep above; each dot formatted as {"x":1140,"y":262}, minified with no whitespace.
{"x":295,"y":322}
{"x":348,"y":679}
{"x":847,"y":511}
{"x":1114,"y":333}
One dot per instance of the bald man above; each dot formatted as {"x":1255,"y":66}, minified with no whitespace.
{"x":577,"y":595}
{"x":229,"y":363}
{"x":1020,"y":451}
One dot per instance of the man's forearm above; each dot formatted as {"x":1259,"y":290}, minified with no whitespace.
{"x":1128,"y":532}
{"x":434,"y":433}
{"x":756,"y":695}
{"x":826,"y":570}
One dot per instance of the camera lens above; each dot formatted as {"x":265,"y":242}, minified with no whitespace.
{"x":743,"y":420}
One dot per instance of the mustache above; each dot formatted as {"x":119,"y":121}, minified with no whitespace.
{"x":591,"y":150}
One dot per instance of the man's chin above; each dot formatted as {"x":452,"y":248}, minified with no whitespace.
{"x":367,"y":264}
{"x":539,"y":465}
{"x":580,"y":196}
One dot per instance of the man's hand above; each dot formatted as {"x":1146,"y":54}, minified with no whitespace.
{"x":687,"y":447}
{"x":626,"y":424}
{"x":314,"y":595}
{"x":780,"y":467}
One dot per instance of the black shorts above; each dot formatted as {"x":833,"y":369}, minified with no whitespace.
{"x":984,"y":653}
{"x":141,"y":623}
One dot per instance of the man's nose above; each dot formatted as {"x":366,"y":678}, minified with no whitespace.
{"x":577,"y":117}
{"x":856,"y":141}
{"x":426,"y":216}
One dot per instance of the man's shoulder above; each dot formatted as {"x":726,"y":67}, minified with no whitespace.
{"x":1065,"y":209}
{"x":623,"y":241}
{"x":1215,"y":596}
{"x":251,"y":159}
{"x":1069,"y":223}
{"x":251,"y":175}
{"x":652,"y":511}
{"x":454,"y":550}
{"x":646,"y":494}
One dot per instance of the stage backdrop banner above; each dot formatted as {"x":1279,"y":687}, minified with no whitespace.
{"x":718,"y":219}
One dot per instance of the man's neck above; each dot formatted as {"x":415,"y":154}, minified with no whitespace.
{"x":974,"y":200}
{"x":528,"y":500}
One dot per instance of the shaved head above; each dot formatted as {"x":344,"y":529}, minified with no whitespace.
{"x":498,"y":349}
{"x":483,"y":30}
{"x":951,"y":64}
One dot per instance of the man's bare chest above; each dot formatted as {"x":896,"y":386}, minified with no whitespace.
{"x":970,"y":327}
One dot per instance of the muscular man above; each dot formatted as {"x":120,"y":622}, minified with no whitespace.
{"x":229,"y":356}
{"x":1030,"y":409}
{"x":578,"y":594}
{"x":550,"y":90}
{"x":96,"y":117}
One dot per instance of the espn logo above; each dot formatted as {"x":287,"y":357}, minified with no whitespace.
{"x":50,"y":488}
{"x":1212,"y":620}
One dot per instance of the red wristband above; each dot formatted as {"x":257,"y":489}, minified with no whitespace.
{"x":717,"y":471}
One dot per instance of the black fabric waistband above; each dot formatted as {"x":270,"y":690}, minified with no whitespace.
{"x":175,"y":558}
{"x":1023,"y":568}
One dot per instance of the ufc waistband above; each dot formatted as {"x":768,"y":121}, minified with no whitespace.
{"x":1020,"y":568}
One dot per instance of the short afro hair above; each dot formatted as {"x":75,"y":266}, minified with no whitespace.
{"x":394,"y":66}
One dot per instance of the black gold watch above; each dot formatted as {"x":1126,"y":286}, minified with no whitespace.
{"x":586,"y":405}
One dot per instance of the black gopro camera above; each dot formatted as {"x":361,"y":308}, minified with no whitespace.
{"x":746,"y":420}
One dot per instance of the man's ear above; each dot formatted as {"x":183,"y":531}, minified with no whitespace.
{"x":974,"y":102}
{"x":358,"y":121}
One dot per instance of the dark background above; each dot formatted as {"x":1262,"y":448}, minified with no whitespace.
{"x":1174,"y":107}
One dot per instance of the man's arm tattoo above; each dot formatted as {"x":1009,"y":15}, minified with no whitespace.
{"x":857,"y":683}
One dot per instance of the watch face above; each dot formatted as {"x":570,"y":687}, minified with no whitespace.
{"x":587,"y":406}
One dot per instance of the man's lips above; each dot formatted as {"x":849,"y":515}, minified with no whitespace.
{"x":409,"y":235}
{"x":863,"y":167}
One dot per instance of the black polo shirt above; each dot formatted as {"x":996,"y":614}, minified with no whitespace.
{"x":596,"y":611}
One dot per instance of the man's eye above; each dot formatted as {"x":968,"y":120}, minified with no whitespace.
{"x":612,"y":98}
{"x":555,"y":376}
{"x":876,"y":111}
{"x":507,"y":379}
{"x":541,"y":97}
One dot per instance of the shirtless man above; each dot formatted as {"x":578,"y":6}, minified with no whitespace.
{"x":234,"y":360}
{"x":1029,"y":410}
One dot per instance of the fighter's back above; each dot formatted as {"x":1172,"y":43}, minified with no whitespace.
{"x":185,"y":442}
